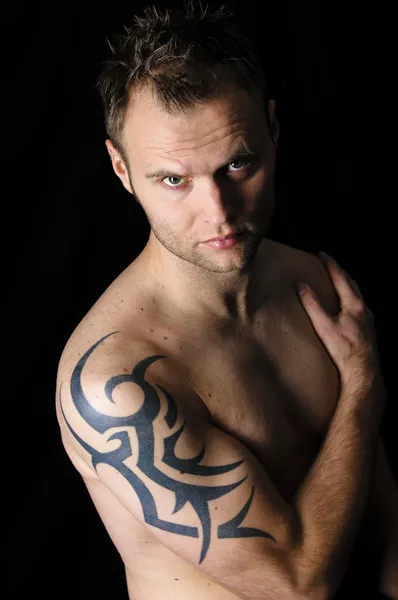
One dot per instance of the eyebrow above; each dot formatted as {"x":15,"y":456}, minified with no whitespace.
{"x":242,"y":150}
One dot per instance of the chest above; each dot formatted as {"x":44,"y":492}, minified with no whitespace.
{"x":275,"y":391}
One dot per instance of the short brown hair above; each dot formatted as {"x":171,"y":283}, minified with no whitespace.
{"x":183,"y":54}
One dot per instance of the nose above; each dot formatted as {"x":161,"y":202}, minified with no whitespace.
{"x":219,"y":203}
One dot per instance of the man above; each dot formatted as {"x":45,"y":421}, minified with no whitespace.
{"x":219,"y":420}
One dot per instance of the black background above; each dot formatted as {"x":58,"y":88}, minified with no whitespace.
{"x":69,"y":228}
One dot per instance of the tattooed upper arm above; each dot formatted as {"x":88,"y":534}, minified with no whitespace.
{"x":200,"y":491}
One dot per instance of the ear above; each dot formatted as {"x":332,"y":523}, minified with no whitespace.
{"x":274,"y":123}
{"x":119,"y":165}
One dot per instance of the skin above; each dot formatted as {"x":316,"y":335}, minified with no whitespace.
{"x":211,"y":197}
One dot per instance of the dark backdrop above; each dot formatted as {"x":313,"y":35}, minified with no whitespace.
{"x":69,"y":228}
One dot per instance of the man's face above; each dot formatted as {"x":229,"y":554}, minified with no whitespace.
{"x":191,"y":179}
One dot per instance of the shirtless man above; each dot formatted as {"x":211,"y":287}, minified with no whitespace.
{"x":226,"y":428}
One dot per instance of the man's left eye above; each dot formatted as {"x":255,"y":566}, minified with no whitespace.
{"x":245,"y":160}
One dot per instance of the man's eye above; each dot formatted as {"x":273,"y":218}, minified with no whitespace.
{"x":247,"y":160}
{"x":172,"y":177}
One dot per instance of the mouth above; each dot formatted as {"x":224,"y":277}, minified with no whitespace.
{"x":225,"y":242}
{"x":227,"y":237}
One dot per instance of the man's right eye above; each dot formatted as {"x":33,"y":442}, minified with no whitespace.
{"x":172,"y":177}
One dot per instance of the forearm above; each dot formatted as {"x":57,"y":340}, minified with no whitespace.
{"x":331,"y":501}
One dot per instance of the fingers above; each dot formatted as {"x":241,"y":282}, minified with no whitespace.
{"x":349,"y":337}
{"x":351,"y":298}
{"x":322,"y":322}
{"x":353,"y":283}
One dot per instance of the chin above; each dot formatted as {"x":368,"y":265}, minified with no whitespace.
{"x":229,"y":260}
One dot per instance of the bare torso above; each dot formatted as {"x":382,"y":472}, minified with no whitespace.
{"x":271,"y":385}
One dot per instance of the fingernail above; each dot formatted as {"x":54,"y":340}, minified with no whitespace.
{"x":301,"y":288}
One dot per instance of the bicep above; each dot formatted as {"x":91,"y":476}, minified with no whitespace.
{"x":200,"y":491}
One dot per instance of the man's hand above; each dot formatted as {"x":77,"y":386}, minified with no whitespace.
{"x":349,"y":337}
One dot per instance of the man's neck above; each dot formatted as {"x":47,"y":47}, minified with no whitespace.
{"x":197,"y":292}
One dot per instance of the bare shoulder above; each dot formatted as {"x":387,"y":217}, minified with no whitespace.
{"x":108,"y":344}
{"x":294,"y":264}
{"x":89,"y":363}
{"x":110,"y":330}
{"x":90,"y":399}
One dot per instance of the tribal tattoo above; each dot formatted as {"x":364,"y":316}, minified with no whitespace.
{"x":198,"y":496}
